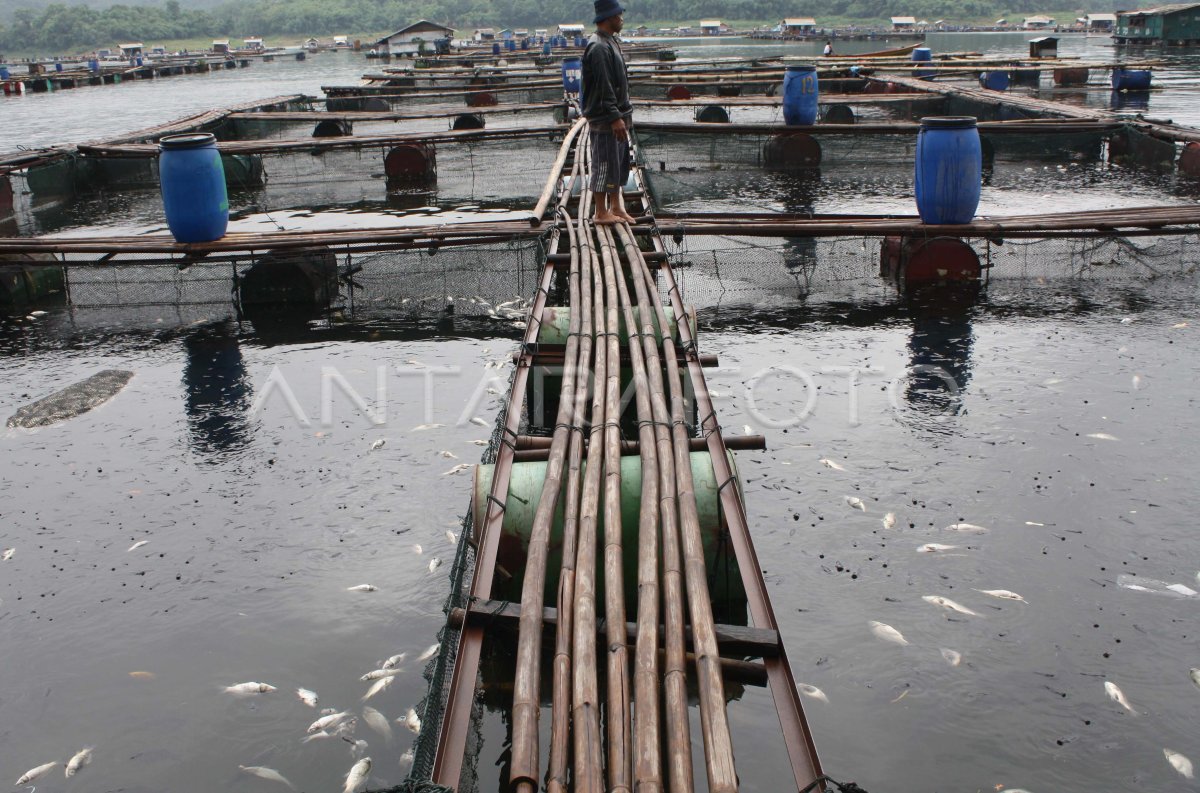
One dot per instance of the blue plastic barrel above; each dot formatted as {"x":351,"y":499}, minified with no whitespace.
{"x":93,"y":65}
{"x":800,"y":96}
{"x":949,"y":169}
{"x":572,"y":75}
{"x":139,"y":61}
{"x":922,"y":55}
{"x":546,"y":48}
{"x":1130,"y":79}
{"x":994,"y":81}
{"x":510,"y":45}
{"x":192,"y":180}
{"x":57,"y":66}
{"x":4,"y":73}
{"x":524,"y":44}
{"x":579,"y":41}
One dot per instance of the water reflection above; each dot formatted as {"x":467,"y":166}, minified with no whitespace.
{"x":216,"y":389}
{"x":939,"y":349}
{"x":1130,"y":100}
{"x":798,"y":192}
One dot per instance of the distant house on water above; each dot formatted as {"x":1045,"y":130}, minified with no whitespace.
{"x":1038,"y":23}
{"x":710,"y":27}
{"x":408,"y":40}
{"x":1177,"y":24}
{"x":904,"y":23}
{"x":1100,"y":23}
{"x":798,"y":26}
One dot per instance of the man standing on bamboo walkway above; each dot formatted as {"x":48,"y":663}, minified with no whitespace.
{"x":609,"y":113}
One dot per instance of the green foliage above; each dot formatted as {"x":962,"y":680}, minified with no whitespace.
{"x":60,"y":28}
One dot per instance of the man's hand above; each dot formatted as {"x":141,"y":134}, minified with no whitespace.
{"x":618,"y":128}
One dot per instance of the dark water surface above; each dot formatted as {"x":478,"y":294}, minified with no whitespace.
{"x":259,"y":512}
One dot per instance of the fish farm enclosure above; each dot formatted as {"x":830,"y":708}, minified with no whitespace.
{"x":417,"y":479}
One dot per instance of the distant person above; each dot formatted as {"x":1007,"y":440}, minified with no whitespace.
{"x":609,"y":112}
{"x":828,"y":51}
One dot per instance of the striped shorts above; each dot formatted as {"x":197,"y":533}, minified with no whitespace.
{"x":610,"y":161}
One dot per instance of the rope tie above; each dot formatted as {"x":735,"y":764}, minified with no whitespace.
{"x":843,"y":787}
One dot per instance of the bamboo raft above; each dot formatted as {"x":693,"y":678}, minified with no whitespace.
{"x":620,"y":674}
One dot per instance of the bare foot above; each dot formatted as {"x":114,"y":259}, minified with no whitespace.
{"x":628,"y":218}
{"x":607,"y":219}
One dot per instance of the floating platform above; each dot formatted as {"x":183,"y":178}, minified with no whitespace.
{"x":610,"y":602}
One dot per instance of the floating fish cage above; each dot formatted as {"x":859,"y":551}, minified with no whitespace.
{"x":457,"y":282}
{"x":450,"y":220}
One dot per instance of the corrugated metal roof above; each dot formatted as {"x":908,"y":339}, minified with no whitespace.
{"x":1167,"y":9}
{"x":904,"y":20}
{"x":799,"y":21}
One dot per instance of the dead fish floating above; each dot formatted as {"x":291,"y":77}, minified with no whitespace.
{"x":1153,"y":587}
{"x":1118,"y":696}
{"x":949,"y":604}
{"x":72,"y":401}
{"x":966,"y":528}
{"x":269,"y":774}
{"x":1003,"y":594}
{"x":358,"y":775}
{"x":78,"y":761}
{"x":1179,"y":763}
{"x":36,"y":773}
{"x":812,"y":691}
{"x":887,"y":633}
{"x":249,"y":689}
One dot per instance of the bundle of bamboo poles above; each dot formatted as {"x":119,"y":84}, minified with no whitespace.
{"x":626,"y":754}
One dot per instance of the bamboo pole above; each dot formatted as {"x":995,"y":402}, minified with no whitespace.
{"x":647,"y":755}
{"x":679,"y":742}
{"x":150,"y":150}
{"x":555,"y":175}
{"x":527,"y":683}
{"x":616,"y":715}
{"x":589,"y":753}
{"x":714,"y":722}
{"x":581,"y":295}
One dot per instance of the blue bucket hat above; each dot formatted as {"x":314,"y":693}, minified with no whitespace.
{"x":606,"y":9}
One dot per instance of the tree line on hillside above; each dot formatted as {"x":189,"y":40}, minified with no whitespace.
{"x":61,"y":28}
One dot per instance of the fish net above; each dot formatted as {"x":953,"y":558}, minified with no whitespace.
{"x":458,"y":285}
{"x":714,"y":270}
{"x":490,"y":174}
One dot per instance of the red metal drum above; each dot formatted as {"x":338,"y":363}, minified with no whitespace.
{"x":791,"y":150}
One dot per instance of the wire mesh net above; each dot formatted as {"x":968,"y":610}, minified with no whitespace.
{"x":466,"y":280}
{"x":713,"y":269}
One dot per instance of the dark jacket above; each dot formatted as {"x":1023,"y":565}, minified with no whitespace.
{"x":605,"y":81}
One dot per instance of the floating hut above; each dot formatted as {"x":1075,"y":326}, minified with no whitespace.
{"x":1177,"y":24}
{"x":408,"y":41}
